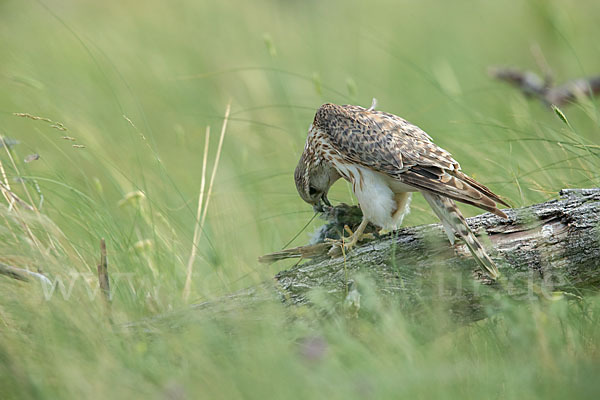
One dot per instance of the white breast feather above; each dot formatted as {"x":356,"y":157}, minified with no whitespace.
{"x":375,"y":197}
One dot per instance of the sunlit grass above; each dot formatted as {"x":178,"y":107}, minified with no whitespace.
{"x":116,"y":98}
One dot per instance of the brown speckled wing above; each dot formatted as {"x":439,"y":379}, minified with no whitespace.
{"x":391,"y":145}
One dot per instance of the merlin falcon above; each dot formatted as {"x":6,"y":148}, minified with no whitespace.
{"x":386,"y":159}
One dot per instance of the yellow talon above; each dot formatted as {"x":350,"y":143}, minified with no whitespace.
{"x":349,"y":242}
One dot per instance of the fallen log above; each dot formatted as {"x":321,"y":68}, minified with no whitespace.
{"x":543,"y":250}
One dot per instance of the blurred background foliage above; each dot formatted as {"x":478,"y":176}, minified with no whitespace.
{"x":136,"y":83}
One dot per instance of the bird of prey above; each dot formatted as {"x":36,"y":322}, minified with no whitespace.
{"x":386,"y":158}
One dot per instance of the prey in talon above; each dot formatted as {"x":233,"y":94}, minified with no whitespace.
{"x":386,"y":159}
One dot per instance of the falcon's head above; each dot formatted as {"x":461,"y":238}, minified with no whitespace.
{"x":313,"y":180}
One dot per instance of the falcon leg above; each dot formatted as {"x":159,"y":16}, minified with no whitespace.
{"x":357,"y":235}
{"x":351,"y":241}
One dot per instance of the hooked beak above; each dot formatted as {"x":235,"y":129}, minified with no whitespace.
{"x":322,"y":201}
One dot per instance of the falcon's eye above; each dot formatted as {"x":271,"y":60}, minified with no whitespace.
{"x":312,"y":190}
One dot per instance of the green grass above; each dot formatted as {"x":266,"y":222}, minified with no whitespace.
{"x":137,"y":84}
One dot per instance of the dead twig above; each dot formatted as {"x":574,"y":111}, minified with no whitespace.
{"x":22,"y":274}
{"x":532,"y":85}
{"x":103,"y":272}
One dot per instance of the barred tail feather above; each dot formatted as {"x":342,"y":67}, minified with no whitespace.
{"x":454,"y":222}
